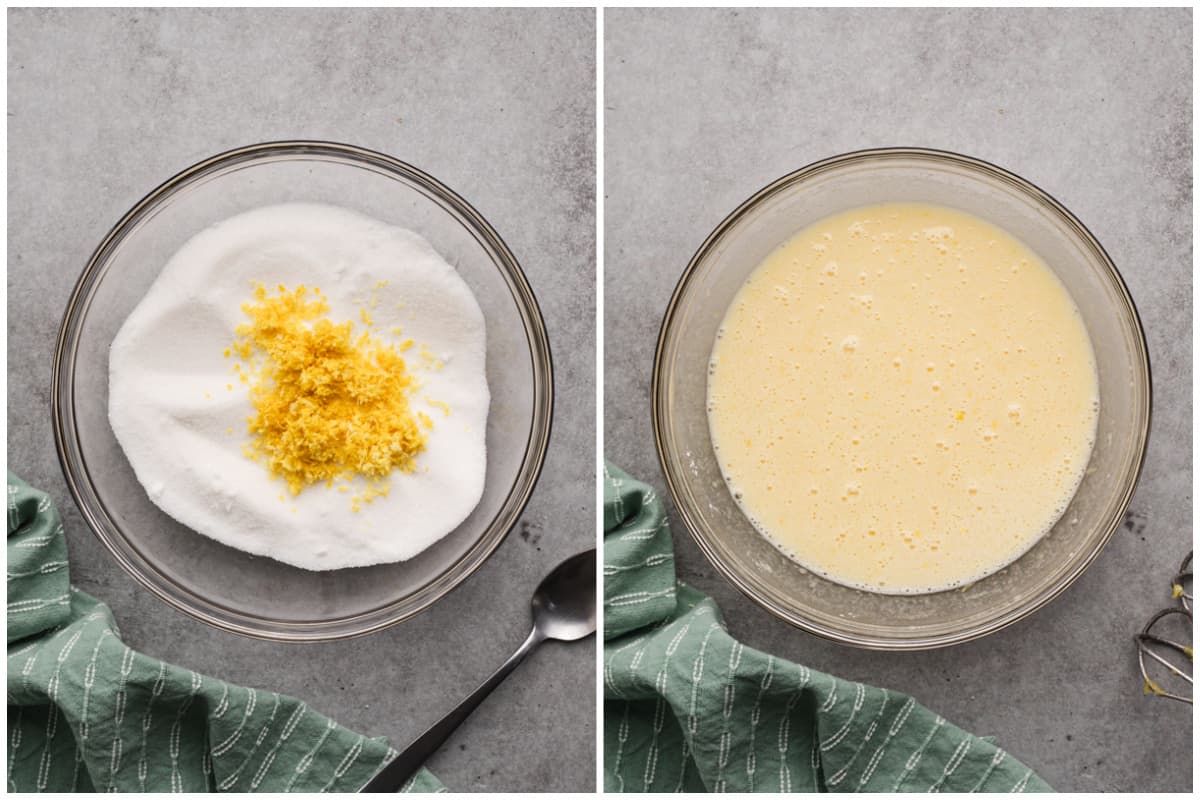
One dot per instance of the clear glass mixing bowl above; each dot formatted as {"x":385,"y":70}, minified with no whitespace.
{"x":253,"y":595}
{"x":744,"y":556}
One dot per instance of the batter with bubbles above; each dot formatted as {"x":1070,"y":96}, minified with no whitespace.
{"x":903,"y":398}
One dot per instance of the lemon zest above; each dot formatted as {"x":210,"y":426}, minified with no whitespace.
{"x":438,"y":404}
{"x":327,"y":405}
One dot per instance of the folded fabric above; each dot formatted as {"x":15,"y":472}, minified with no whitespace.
{"x":688,"y":708}
{"x":87,"y":713}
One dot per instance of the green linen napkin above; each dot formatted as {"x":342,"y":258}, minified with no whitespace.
{"x":688,"y":708}
{"x":87,"y":713}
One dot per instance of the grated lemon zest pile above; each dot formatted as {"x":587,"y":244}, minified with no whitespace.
{"x":328,"y":406}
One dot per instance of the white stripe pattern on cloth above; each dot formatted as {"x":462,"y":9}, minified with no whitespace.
{"x":735,"y":660}
{"x":52,"y":721}
{"x":693,"y":720}
{"x":222,"y":704}
{"x":860,"y":694}
{"x":755,"y":715}
{"x":47,"y":568}
{"x":38,"y":603}
{"x":622,"y":738}
{"x":636,"y":598}
{"x":118,"y":717}
{"x":619,"y":504}
{"x":915,"y":758}
{"x":44,"y":767}
{"x":233,"y":777}
{"x":303,"y":764}
{"x":146,"y":722}
{"x":35,"y":542}
{"x":174,"y":747}
{"x":641,"y":534}
{"x":896,"y":725}
{"x":14,"y":744}
{"x":285,"y":734}
{"x":831,"y":698}
{"x":89,"y":680}
{"x":660,"y":707}
{"x":956,"y":758}
{"x":608,"y":663}
{"x":14,"y":519}
{"x":345,"y":764}
{"x":783,"y":742}
{"x":231,"y":739}
{"x":841,"y":774}
{"x":655,"y":560}
{"x":987,"y":773}
{"x":652,"y":753}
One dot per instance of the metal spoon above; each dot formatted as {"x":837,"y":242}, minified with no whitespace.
{"x":564,"y":609}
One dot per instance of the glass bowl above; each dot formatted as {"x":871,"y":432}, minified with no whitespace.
{"x":754,"y":565}
{"x":231,"y":589}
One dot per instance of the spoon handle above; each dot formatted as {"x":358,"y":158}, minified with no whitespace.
{"x":403,"y":766}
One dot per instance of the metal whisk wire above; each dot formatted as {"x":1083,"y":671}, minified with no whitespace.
{"x":1178,"y":590}
{"x":1159,"y":648}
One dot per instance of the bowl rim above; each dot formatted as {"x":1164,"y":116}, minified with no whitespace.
{"x":675,"y":482}
{"x":91,"y":507}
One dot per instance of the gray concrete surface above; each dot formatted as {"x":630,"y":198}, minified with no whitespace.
{"x":705,"y":107}
{"x":103,"y":105}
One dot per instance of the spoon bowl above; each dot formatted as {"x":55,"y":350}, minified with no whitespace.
{"x":564,"y":605}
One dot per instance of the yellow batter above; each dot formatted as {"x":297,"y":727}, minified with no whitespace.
{"x":903,"y":398}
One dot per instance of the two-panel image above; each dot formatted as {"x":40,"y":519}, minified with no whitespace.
{"x":546,"y":400}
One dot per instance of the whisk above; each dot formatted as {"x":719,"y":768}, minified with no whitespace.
{"x":1170,"y":655}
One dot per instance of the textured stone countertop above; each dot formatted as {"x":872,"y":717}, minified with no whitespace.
{"x":705,"y":107}
{"x":103,"y":105}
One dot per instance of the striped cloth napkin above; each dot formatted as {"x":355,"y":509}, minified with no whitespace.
{"x":688,"y":708}
{"x":87,"y":713}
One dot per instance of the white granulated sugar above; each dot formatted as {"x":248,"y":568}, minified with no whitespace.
{"x":169,"y":355}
